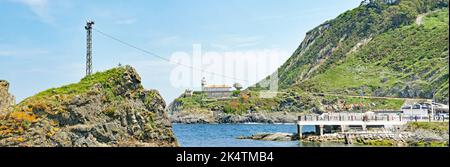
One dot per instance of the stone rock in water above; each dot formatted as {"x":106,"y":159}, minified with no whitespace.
{"x":105,"y":109}
{"x":270,"y":137}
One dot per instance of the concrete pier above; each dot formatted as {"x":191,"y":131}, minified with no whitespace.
{"x":347,"y":120}
{"x":344,"y":121}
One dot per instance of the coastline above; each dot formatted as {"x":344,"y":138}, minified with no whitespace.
{"x":215,"y":117}
{"x":414,"y":134}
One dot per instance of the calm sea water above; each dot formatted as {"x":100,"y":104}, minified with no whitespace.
{"x":224,"y":135}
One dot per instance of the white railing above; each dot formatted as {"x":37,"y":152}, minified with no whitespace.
{"x":370,"y":117}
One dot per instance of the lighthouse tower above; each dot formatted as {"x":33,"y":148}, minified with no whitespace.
{"x":203,"y":83}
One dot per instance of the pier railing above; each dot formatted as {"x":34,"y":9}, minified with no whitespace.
{"x":370,"y":117}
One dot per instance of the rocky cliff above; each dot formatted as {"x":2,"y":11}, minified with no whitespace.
{"x":108,"y":108}
{"x":6,"y":100}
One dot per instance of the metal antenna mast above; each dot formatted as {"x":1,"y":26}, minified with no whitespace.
{"x":88,"y":28}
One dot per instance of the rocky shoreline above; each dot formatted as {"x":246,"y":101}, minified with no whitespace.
{"x":375,"y":139}
{"x":214,"y":117}
{"x":105,"y":109}
{"x":403,"y":137}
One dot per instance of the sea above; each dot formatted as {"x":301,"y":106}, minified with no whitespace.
{"x":225,"y":135}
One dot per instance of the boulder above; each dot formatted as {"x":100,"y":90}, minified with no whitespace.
{"x":270,"y":137}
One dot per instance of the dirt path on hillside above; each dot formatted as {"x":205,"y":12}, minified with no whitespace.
{"x":419,"y":19}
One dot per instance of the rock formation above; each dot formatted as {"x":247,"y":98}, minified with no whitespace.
{"x":104,"y":109}
{"x":271,"y":137}
{"x":6,"y":99}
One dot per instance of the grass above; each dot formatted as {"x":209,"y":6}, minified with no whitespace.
{"x":385,"y":142}
{"x":85,"y":84}
{"x":51,"y":99}
{"x":334,"y":39}
{"x":441,"y":127}
{"x":350,"y":76}
{"x":430,"y":144}
{"x":369,"y":103}
{"x":379,"y":142}
{"x":437,"y":127}
{"x":436,"y":19}
{"x":392,"y":104}
{"x":418,"y":59}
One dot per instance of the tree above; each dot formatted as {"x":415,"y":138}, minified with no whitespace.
{"x":238,"y":86}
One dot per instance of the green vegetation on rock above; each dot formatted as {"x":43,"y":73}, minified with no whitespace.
{"x":239,"y":103}
{"x":108,"y":108}
{"x":291,"y":101}
{"x":440,"y":127}
{"x":379,"y":142}
{"x":413,"y":66}
{"x":103,"y":78}
{"x":431,"y":144}
{"x":424,"y":128}
{"x":376,"y":49}
{"x":334,"y":39}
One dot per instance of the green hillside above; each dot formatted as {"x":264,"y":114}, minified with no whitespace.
{"x":411,"y":61}
{"x":376,"y":49}
{"x":386,"y":48}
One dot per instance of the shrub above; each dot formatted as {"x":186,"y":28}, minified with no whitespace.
{"x":236,"y":93}
{"x":23,"y":116}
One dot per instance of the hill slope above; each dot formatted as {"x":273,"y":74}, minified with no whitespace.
{"x":376,"y":49}
{"x":108,"y":108}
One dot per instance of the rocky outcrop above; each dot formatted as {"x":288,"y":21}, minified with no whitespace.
{"x":190,"y":117}
{"x":105,"y":109}
{"x":381,"y":139}
{"x":270,"y":137}
{"x":428,"y":134}
{"x":434,"y":134}
{"x":261,"y":117}
{"x":283,"y":109}
{"x":6,"y":100}
{"x":193,"y":117}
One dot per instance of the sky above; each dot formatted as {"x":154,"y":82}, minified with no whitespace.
{"x":43,"y":42}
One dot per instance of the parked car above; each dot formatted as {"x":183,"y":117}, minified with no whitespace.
{"x":445,"y":115}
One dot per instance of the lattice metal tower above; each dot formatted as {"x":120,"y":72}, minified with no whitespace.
{"x":88,"y":28}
